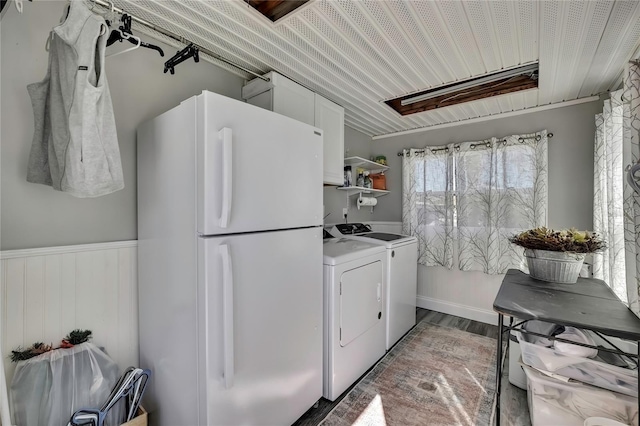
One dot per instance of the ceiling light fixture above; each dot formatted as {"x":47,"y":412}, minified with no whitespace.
{"x":276,"y":9}
{"x":530,"y":69}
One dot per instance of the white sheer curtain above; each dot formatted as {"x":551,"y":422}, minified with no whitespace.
{"x":469,"y":198}
{"x":608,"y":199}
{"x":501,"y":189}
{"x":616,"y":205}
{"x":631,"y":155}
{"x":427,"y":205}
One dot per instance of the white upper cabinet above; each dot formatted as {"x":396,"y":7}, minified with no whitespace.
{"x":287,"y":97}
{"x":330,"y":118}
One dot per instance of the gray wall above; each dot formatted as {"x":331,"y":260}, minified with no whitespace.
{"x":570,"y":159}
{"x":356,"y":144}
{"x":35,"y":215}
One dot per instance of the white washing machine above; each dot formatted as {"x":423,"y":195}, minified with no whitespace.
{"x":354,"y":323}
{"x":401,"y":282}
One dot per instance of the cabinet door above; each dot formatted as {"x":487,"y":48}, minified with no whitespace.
{"x":330,"y":118}
{"x":293,"y":100}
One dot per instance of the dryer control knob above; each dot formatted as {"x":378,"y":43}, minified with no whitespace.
{"x":379,"y":315}
{"x":393,"y":253}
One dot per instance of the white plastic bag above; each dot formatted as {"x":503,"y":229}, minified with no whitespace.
{"x":47,"y":389}
{"x":575,"y":335}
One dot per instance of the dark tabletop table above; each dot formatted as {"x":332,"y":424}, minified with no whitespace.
{"x":588,"y":304}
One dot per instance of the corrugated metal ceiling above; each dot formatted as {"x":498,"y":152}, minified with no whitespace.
{"x":360,"y":53}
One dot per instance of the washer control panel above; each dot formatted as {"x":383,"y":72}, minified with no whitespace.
{"x":352,"y":228}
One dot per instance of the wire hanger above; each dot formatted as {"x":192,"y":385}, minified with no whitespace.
{"x":131,"y":38}
{"x":124,"y":33}
{"x":190,"y":51}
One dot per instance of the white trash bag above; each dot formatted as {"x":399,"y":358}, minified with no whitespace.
{"x":47,"y":389}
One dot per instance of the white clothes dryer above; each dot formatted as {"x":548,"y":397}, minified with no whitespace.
{"x":401,"y":280}
{"x":354,"y":323}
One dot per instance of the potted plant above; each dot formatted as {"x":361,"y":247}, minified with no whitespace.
{"x":557,"y":256}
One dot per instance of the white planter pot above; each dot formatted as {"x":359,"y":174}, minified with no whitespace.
{"x":554,"y":266}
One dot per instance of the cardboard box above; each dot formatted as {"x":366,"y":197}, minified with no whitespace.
{"x":139,"y":420}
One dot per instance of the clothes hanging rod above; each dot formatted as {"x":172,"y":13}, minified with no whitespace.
{"x":176,"y":37}
{"x":488,"y":144}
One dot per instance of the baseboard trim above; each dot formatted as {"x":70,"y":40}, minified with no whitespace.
{"x":43,"y":251}
{"x":451,"y":308}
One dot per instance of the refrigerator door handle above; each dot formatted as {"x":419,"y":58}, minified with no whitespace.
{"x":227,"y":315}
{"x":226,"y":136}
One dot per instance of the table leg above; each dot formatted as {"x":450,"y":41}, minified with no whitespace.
{"x":499,"y":367}
{"x":509,"y":333}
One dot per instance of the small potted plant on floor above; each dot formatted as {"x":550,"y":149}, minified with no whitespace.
{"x":557,"y":256}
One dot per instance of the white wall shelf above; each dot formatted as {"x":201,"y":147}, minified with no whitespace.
{"x":365,"y":164}
{"x":355,"y":190}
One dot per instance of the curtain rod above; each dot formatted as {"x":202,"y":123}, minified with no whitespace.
{"x":520,"y":139}
{"x":176,"y":37}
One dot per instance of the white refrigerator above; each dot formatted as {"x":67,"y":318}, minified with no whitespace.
{"x":230,"y":264}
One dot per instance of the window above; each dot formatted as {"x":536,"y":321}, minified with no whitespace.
{"x":464,"y":201}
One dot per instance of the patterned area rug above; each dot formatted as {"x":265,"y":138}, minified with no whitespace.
{"x":434,"y":376}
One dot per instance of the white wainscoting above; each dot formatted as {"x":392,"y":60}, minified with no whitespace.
{"x":45,"y":293}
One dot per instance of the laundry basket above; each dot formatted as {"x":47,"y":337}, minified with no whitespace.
{"x":556,"y":402}
{"x":587,"y":370}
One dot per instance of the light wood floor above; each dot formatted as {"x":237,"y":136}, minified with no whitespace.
{"x":515,"y":411}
